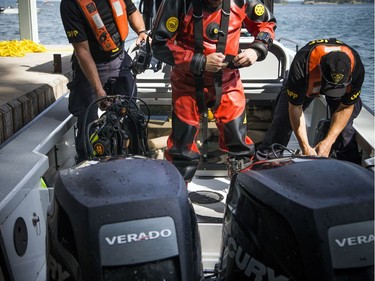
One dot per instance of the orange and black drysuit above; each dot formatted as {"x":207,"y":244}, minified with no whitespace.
{"x":174,"y":42}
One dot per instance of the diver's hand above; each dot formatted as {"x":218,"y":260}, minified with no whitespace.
{"x":104,"y":104}
{"x":214,"y":62}
{"x":246,"y":58}
{"x":323,"y":148}
{"x":309,"y":151}
{"x":142,"y":37}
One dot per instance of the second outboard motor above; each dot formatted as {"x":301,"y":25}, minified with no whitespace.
{"x":299,"y":219}
{"x":122,"y":219}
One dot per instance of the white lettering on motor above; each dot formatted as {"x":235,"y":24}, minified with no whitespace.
{"x":132,"y":238}
{"x":121,"y":239}
{"x":137,"y":237}
{"x":355,"y":240}
{"x":250,"y":265}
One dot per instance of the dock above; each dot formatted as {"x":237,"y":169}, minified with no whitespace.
{"x":30,"y":84}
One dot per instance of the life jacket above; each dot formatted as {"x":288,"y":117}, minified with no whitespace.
{"x":313,"y":71}
{"x":108,"y":42}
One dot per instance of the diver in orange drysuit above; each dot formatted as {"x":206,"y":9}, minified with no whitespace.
{"x":200,"y":39}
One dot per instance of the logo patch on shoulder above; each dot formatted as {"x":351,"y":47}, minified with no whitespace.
{"x":259,"y":10}
{"x":172,"y":24}
{"x":72,"y":33}
{"x":292,"y":95}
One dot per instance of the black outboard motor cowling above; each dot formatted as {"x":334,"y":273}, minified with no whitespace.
{"x":122,"y":219}
{"x":301,"y":220}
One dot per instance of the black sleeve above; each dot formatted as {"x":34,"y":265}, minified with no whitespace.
{"x":358,"y":76}
{"x":297,"y":79}
{"x":72,"y":20}
{"x":258,"y":12}
{"x":130,"y":7}
{"x":166,"y":26}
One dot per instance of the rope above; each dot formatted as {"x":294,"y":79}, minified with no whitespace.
{"x":16,"y":48}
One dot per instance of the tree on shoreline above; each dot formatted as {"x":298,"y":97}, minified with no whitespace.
{"x":326,"y":1}
{"x":341,"y":1}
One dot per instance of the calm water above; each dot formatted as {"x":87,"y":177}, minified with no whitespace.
{"x":353,"y":24}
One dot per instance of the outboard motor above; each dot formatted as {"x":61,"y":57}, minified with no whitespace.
{"x":299,"y":219}
{"x":122,"y":219}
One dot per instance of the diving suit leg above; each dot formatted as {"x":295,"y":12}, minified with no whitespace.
{"x":181,"y":148}
{"x":234,"y":140}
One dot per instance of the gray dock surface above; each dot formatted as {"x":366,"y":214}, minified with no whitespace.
{"x":31,"y":83}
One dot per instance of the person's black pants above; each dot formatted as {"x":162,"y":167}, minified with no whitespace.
{"x":82,"y":94}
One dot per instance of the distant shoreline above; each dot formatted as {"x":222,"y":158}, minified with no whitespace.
{"x":329,"y":3}
{"x":320,"y":3}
